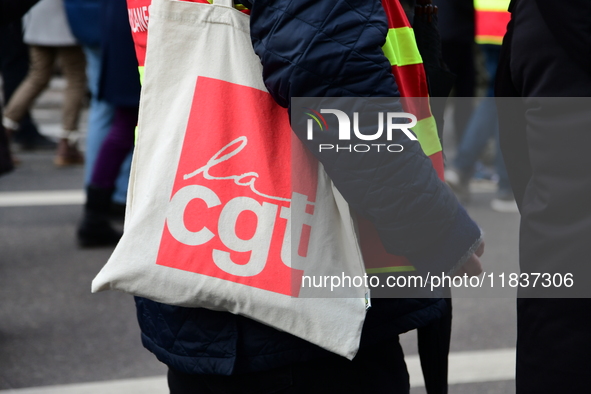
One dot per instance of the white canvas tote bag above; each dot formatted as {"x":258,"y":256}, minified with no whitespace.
{"x":226,"y":210}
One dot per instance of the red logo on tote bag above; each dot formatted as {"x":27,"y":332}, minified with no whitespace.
{"x":235,"y":211}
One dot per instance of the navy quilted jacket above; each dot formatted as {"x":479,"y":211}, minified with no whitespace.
{"x":312,"y":48}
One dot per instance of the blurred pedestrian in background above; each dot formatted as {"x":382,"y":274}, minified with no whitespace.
{"x":119,"y":85}
{"x":456,"y":27}
{"x":14,"y":65}
{"x":10,"y":11}
{"x":491,"y":24}
{"x":86,"y":21}
{"x":50,"y":41}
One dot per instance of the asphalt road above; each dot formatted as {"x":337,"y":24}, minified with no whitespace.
{"x":53,"y":331}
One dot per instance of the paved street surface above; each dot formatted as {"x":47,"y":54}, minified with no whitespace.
{"x":58,"y":338}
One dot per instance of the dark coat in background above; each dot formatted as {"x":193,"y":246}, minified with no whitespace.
{"x":545,"y":138}
{"x":120,"y":80}
{"x":456,"y":20}
{"x":84,"y":17}
{"x":456,"y":27}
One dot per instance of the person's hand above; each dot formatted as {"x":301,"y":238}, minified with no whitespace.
{"x":472,"y":266}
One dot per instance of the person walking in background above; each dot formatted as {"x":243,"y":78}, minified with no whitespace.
{"x":10,"y":11}
{"x":86,"y":21}
{"x":119,"y":85}
{"x":491,"y":20}
{"x":50,"y":40}
{"x":14,"y":65}
{"x":543,"y":88}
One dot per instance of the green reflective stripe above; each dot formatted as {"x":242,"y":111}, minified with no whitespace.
{"x":401,"y":48}
{"x":141,"y":71}
{"x":489,"y":40}
{"x":239,"y":7}
{"x":403,"y":268}
{"x":491,"y":5}
{"x":426,"y":132}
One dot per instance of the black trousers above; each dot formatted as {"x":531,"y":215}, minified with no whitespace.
{"x":377,"y":369}
{"x":459,"y":57}
{"x":545,"y":143}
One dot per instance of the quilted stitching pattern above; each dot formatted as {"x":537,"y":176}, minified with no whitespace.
{"x":294,"y":38}
{"x":400,"y":194}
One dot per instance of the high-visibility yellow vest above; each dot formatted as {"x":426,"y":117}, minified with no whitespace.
{"x":491,"y":19}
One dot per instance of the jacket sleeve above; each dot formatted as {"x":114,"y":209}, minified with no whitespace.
{"x":311,"y":48}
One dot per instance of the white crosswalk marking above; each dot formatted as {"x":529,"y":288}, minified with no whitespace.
{"x":464,"y":367}
{"x":152,"y":385}
{"x":41,"y":198}
{"x":470,"y":367}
